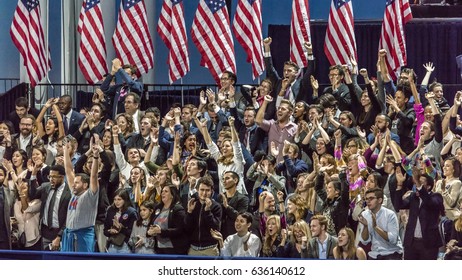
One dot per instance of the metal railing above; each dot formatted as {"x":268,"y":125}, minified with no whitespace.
{"x":7,"y":83}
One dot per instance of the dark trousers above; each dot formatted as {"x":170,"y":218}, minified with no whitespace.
{"x":394,"y":256}
{"x":418,"y":251}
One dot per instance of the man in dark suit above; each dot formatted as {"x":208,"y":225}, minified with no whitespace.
{"x":216,"y":122}
{"x":251,"y":136}
{"x":23,"y":140}
{"x":117,"y":84}
{"x":22,"y":108}
{"x":422,"y":238}
{"x":292,"y":86}
{"x":55,"y":196}
{"x":71,"y":119}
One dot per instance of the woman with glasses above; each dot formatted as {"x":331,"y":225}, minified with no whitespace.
{"x":292,"y":248}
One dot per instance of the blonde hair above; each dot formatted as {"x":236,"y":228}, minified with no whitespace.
{"x":303,"y":226}
{"x":268,"y":242}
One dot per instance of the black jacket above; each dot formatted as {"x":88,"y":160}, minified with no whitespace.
{"x":199,"y":222}
{"x":175,"y":231}
{"x":42,"y":192}
{"x":339,"y":205}
{"x":127,"y":219}
{"x":428,"y":213}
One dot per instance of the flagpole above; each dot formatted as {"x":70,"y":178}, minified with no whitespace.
{"x":182,"y":93}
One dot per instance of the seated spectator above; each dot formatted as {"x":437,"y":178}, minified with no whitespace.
{"x":243,"y":243}
{"x":264,"y":174}
{"x":167,"y":225}
{"x":203,"y":214}
{"x":272,"y":236}
{"x":120,"y":218}
{"x":346,"y":248}
{"x":379,"y":226}
{"x":139,"y":242}
{"x":292,"y":248}
{"x":322,"y":244}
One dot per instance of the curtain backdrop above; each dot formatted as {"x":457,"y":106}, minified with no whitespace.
{"x":427,"y":40}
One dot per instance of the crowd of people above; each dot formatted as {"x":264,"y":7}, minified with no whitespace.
{"x":282,"y":169}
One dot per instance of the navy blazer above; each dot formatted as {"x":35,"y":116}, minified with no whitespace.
{"x":299,"y":88}
{"x":75,"y":122}
{"x":428,"y":213}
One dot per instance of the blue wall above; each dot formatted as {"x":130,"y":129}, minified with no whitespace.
{"x":274,"y":12}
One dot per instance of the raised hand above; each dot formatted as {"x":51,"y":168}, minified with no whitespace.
{"x":268,"y":98}
{"x":354,"y":65}
{"x":338,"y":134}
{"x":361,"y":132}
{"x":314,"y":83}
{"x":191,"y":205}
{"x":429,"y":67}
{"x":210,"y":95}
{"x":267,"y":41}
{"x":400,"y":178}
{"x":175,"y":180}
{"x":231,"y":121}
{"x":280,"y":196}
{"x":202,"y":98}
{"x":231,"y":92}
{"x":224,"y":199}
{"x":363,"y":72}
{"x":274,"y":150}
{"x":308,"y":47}
{"x":457,"y":98}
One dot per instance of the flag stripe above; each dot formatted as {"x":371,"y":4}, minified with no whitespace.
{"x":27,"y":35}
{"x":132,"y":39}
{"x":397,"y":14}
{"x":172,"y":31}
{"x":247,"y":28}
{"x":340,"y":42}
{"x":212,"y":36}
{"x":92,"y":52}
{"x":299,"y":32}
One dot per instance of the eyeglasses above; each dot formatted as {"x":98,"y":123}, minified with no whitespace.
{"x":224,"y":78}
{"x":370,"y":198}
{"x":26,"y":124}
{"x":54,"y":176}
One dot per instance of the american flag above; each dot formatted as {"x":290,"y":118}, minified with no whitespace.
{"x":299,"y":31}
{"x":340,"y":43}
{"x":397,"y":14}
{"x":211,"y":34}
{"x":92,"y":53}
{"x":248,"y":32}
{"x":131,"y":39}
{"x":172,"y":31}
{"x":28,"y":37}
